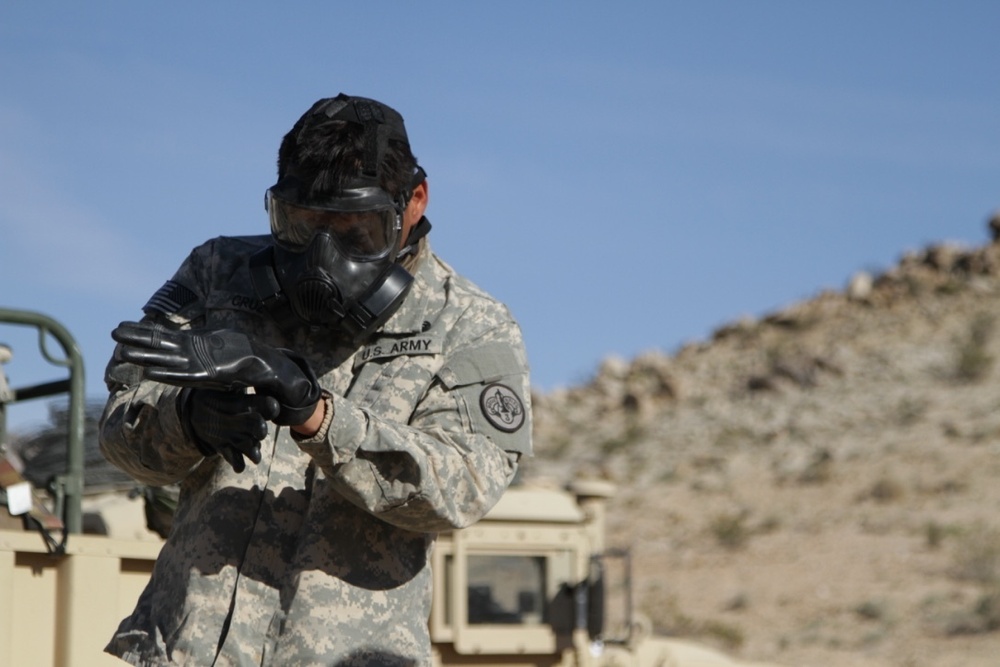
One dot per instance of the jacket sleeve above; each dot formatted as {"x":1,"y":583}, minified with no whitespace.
{"x":141,"y":433}
{"x":449,"y":462}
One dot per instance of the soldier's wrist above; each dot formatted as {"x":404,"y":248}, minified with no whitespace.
{"x":317,"y":426}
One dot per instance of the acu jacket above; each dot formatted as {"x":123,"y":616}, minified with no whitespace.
{"x":319,"y":555}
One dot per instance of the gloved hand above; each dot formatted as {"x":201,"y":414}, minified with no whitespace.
{"x":221,"y":359}
{"x":230,"y":423}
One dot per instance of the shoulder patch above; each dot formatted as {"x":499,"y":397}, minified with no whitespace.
{"x":502,"y":407}
{"x":169,"y":299}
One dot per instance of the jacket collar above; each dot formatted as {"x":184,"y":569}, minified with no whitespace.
{"x":425,"y":300}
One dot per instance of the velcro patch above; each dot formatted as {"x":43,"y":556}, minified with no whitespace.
{"x":169,"y":299}
{"x":502,"y":407}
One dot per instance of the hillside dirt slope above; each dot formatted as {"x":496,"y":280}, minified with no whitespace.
{"x":817,"y":487}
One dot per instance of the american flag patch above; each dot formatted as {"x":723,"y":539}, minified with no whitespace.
{"x":169,"y":299}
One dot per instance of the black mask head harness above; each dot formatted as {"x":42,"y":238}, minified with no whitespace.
{"x":334,"y":262}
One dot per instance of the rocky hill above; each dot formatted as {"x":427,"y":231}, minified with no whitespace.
{"x":817,"y":487}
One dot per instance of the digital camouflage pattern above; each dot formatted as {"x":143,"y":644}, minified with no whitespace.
{"x":319,"y":555}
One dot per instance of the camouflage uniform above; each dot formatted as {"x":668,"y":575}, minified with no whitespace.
{"x":320,"y":555}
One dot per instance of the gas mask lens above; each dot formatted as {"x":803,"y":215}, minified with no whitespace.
{"x":361,"y":235}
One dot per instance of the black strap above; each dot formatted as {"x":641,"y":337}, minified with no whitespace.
{"x":265,"y":284}
{"x":419,"y":231}
{"x":375,"y":134}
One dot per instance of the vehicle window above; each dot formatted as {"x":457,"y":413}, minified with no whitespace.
{"x":506,"y":589}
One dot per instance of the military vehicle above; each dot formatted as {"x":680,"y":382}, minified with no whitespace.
{"x":533,"y":583}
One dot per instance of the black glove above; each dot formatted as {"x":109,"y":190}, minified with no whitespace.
{"x":221,"y":359}
{"x":230,"y":423}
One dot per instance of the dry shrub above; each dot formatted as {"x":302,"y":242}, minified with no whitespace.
{"x":886,"y":490}
{"x":973,"y":361}
{"x":977,"y":555}
{"x":730,"y":529}
{"x":982,"y":618}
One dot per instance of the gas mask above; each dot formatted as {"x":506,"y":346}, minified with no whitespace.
{"x":333,"y":262}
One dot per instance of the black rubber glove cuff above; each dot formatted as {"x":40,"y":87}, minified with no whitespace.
{"x":300,"y":410}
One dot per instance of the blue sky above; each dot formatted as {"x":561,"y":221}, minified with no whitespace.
{"x":627,"y":176}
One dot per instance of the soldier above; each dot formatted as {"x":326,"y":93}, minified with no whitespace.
{"x":327,"y":397}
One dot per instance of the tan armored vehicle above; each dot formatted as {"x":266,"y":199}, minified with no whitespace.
{"x":531,"y":584}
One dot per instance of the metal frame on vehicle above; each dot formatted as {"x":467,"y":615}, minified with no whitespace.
{"x":67,"y":489}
